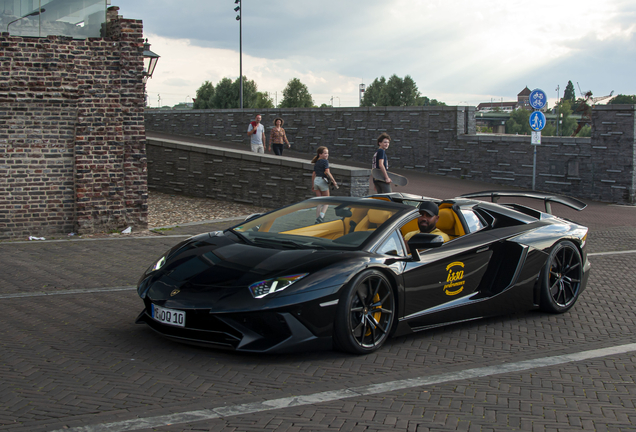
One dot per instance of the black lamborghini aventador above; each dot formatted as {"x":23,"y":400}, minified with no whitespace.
{"x":280,"y":281}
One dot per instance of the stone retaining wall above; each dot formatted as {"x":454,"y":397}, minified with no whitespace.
{"x":442,"y":141}
{"x":241,"y":176}
{"x":349,"y":133}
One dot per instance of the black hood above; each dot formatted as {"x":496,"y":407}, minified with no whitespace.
{"x":219,"y":261}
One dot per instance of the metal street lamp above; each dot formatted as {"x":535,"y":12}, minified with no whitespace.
{"x":34,"y":13}
{"x":557,"y":109}
{"x":238,"y":18}
{"x":150,"y":61}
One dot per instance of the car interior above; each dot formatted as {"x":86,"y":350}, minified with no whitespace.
{"x":449,"y":222}
{"x":359,"y":220}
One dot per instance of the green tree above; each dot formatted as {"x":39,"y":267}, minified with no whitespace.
{"x":204,"y":96}
{"x":586,"y":131}
{"x":623,"y":99}
{"x":263,"y":100}
{"x":568,"y":123}
{"x":422,"y":101}
{"x":226,"y":94}
{"x":224,"y":97}
{"x":372,"y":93}
{"x":399,"y":92}
{"x":518,"y":123}
{"x":569,"y":94}
{"x":410,"y":92}
{"x":425,"y":101}
{"x":395,"y":92}
{"x":250,"y":90}
{"x":296,"y":95}
{"x":549,"y":129}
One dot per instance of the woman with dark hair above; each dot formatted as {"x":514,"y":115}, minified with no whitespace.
{"x":319,"y":183}
{"x":277,"y":137}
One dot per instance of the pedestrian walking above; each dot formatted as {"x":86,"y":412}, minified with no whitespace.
{"x":381,"y":161}
{"x":320,"y":179}
{"x":277,"y":137}
{"x":256,"y":132}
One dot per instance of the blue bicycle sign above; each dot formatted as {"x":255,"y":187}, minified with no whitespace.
{"x":537,"y":121}
{"x":538,"y":99}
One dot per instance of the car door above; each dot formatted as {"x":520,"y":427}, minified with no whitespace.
{"x":445,"y":277}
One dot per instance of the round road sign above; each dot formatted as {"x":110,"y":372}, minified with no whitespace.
{"x":538,"y":99}
{"x":537,"y":121}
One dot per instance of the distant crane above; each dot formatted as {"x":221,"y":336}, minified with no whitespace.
{"x":587,"y":96}
{"x":586,"y":102}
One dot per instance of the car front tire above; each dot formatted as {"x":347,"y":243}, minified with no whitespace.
{"x":366,"y":314}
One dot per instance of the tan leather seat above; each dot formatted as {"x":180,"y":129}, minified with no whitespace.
{"x":373,"y":219}
{"x":450,"y":223}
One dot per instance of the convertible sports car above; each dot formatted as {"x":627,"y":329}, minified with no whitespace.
{"x":281,"y":281}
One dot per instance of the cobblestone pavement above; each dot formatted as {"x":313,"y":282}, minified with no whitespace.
{"x":71,"y":356}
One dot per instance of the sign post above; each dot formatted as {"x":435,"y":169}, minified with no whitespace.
{"x":537,"y":120}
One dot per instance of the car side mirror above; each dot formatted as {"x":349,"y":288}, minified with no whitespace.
{"x":424,"y":241}
{"x":252,"y":216}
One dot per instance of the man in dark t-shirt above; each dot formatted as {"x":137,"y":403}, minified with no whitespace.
{"x":381,"y":161}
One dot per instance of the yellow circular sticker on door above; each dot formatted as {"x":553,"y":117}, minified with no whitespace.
{"x":455,"y":279}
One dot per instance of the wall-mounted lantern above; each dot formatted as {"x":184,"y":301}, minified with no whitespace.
{"x":150,"y":61}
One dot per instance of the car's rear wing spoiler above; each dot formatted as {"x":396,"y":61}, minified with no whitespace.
{"x":547,"y":198}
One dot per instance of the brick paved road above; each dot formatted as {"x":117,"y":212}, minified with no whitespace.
{"x":77,"y":359}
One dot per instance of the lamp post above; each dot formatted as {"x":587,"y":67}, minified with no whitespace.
{"x":34,"y":13}
{"x":238,"y":18}
{"x":557,"y":110}
{"x":150,"y":62}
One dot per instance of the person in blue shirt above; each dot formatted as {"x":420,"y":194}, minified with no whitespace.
{"x":381,"y":161}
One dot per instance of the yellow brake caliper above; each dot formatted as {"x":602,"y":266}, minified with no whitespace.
{"x":376,"y":315}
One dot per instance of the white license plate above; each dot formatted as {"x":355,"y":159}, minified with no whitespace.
{"x":168,"y":316}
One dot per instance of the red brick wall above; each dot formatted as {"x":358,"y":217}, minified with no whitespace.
{"x":72,"y":138}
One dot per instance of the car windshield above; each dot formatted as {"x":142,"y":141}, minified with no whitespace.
{"x":344,"y":225}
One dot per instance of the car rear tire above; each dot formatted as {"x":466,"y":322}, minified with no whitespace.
{"x":366,"y":314}
{"x":561,"y":278}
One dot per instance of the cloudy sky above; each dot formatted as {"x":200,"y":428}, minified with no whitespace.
{"x":458,"y":51}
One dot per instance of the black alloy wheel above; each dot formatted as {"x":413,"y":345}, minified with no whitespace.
{"x":365,"y":314}
{"x":561,"y":279}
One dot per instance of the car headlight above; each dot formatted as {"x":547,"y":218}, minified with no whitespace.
{"x":160,"y":262}
{"x":263,"y":288}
